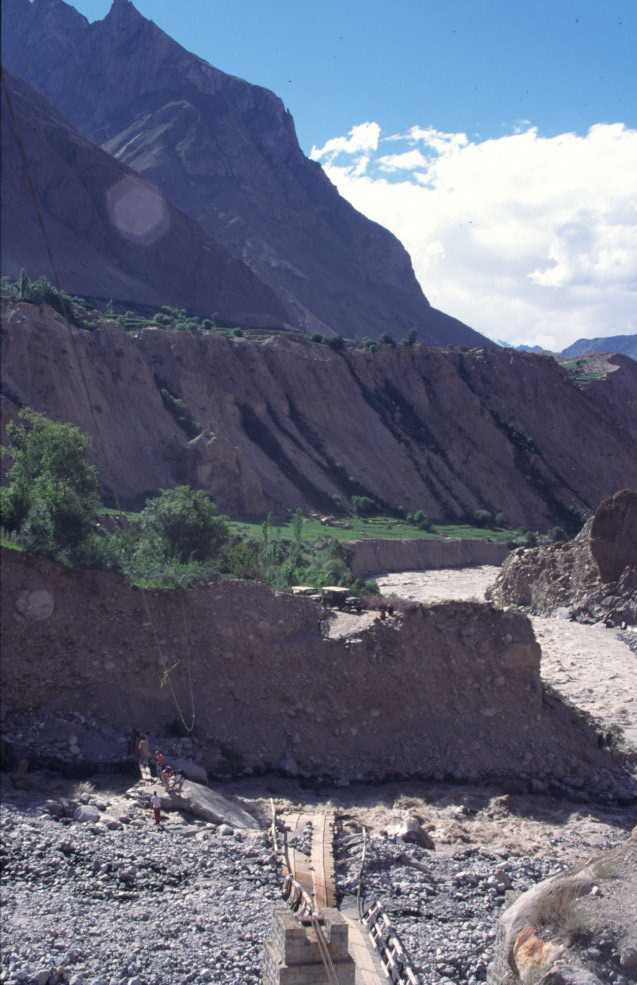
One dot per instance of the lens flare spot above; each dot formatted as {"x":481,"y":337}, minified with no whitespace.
{"x":137,"y":210}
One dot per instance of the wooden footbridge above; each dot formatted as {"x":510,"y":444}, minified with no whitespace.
{"x":375,"y":954}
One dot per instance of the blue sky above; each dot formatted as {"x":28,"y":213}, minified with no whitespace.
{"x":460,"y":65}
{"x":496,"y":138}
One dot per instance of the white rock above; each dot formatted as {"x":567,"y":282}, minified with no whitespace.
{"x":86,"y":812}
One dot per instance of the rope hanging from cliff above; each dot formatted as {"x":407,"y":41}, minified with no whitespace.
{"x":166,"y":677}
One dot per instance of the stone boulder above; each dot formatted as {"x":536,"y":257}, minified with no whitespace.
{"x":592,"y":578}
{"x":410,"y":830}
{"x":577,"y":928}
{"x":209,"y":805}
{"x":190,"y":769}
{"x":613,"y":535}
{"x":87,"y":813}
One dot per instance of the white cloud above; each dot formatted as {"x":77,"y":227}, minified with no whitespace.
{"x":360,"y":138}
{"x":526,"y":238}
{"x":408,"y":161}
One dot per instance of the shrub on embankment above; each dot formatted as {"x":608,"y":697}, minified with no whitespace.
{"x":49,"y":506}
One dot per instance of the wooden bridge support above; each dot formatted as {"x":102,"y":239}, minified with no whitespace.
{"x":292,"y":956}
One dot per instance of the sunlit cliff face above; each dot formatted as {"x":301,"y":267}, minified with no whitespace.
{"x":137,"y":210}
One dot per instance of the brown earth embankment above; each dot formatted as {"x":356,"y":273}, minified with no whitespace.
{"x":369,"y":557}
{"x":445,"y":691}
{"x":278,"y":425}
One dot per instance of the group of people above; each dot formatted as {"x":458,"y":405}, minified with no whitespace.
{"x":170,"y":779}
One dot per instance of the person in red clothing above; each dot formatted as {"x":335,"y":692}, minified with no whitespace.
{"x":160,"y":761}
{"x":155,"y":803}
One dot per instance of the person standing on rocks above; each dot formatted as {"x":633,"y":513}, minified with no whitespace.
{"x":155,"y":803}
{"x":160,"y":762}
{"x":143,"y":756}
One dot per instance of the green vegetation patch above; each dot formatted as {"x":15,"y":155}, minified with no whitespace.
{"x":373,"y":528}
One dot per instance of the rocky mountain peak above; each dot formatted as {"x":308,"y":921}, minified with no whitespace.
{"x":225,"y":152}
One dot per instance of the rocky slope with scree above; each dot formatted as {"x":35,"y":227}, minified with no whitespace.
{"x":593,"y":577}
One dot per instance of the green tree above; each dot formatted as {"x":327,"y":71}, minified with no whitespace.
{"x":483,"y":518}
{"x":51,"y":496}
{"x":184,"y":524}
{"x":420,"y":519}
{"x":364,"y":506}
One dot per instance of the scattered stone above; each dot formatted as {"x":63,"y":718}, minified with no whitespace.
{"x":411,"y":832}
{"x":86,"y":813}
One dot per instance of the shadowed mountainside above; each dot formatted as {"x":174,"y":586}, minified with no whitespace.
{"x":226,"y":153}
{"x":280,"y":424}
{"x":112,"y":233}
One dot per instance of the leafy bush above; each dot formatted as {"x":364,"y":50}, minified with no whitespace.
{"x":317,"y":337}
{"x":556,"y":534}
{"x":420,"y":520}
{"x":182,"y":524}
{"x":483,"y":518}
{"x":51,"y":497}
{"x":39,"y":291}
{"x":387,"y":340}
{"x":363,"y":506}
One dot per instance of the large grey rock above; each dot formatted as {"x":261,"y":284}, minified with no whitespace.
{"x":86,"y":812}
{"x":210,"y":805}
{"x":411,"y":832}
{"x":550,"y":934}
{"x":614,"y":534}
{"x":190,"y":769}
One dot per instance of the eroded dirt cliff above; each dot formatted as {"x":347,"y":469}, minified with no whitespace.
{"x":267,"y":684}
{"x":282,"y":424}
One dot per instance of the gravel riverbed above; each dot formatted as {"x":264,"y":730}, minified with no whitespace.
{"x":135,"y":905}
{"x":113,"y":901}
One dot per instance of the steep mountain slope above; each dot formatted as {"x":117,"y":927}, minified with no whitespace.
{"x":226,"y":153}
{"x":626,"y":344}
{"x":281,"y":424}
{"x":112,"y":234}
